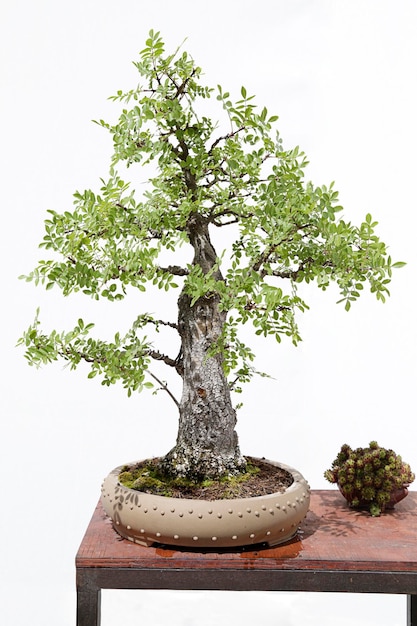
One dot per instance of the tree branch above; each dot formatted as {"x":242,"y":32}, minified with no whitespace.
{"x":263,"y":258}
{"x":150,"y":320}
{"x":164,"y":387}
{"x":294,"y":273}
{"x":266,"y":254}
{"x":181,"y":88}
{"x":177,"y":270}
{"x":158,"y":356}
{"x":231,"y":221}
{"x":227,"y":136}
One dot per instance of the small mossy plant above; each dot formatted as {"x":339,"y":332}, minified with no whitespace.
{"x":374,"y":478}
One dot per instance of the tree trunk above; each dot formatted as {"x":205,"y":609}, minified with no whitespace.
{"x":207,"y":443}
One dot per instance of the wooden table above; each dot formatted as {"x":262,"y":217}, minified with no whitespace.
{"x":337,"y":549}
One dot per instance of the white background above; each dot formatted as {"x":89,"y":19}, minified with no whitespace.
{"x":341,"y":75}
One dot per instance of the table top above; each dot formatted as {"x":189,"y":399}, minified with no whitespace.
{"x":332,"y":537}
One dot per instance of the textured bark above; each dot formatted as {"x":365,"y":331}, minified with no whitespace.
{"x":207,"y":443}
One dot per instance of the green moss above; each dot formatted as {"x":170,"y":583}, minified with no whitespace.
{"x":126,"y":478}
{"x":149,"y":483}
{"x":145,"y":477}
{"x":148,"y":478}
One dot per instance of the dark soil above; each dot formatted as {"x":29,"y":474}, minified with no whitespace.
{"x":261,"y":479}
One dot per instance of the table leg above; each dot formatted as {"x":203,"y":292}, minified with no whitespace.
{"x":89,"y":607}
{"x":412,"y":610}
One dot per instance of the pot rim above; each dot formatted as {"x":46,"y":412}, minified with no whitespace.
{"x":296,"y":474}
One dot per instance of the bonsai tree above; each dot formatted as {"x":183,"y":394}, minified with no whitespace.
{"x":373,"y":478}
{"x":204,"y":177}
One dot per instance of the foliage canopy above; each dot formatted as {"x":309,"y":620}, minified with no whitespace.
{"x":205,"y":176}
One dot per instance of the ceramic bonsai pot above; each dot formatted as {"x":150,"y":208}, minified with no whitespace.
{"x":146,"y":518}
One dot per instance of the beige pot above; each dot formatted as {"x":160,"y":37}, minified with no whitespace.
{"x":146,"y":519}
